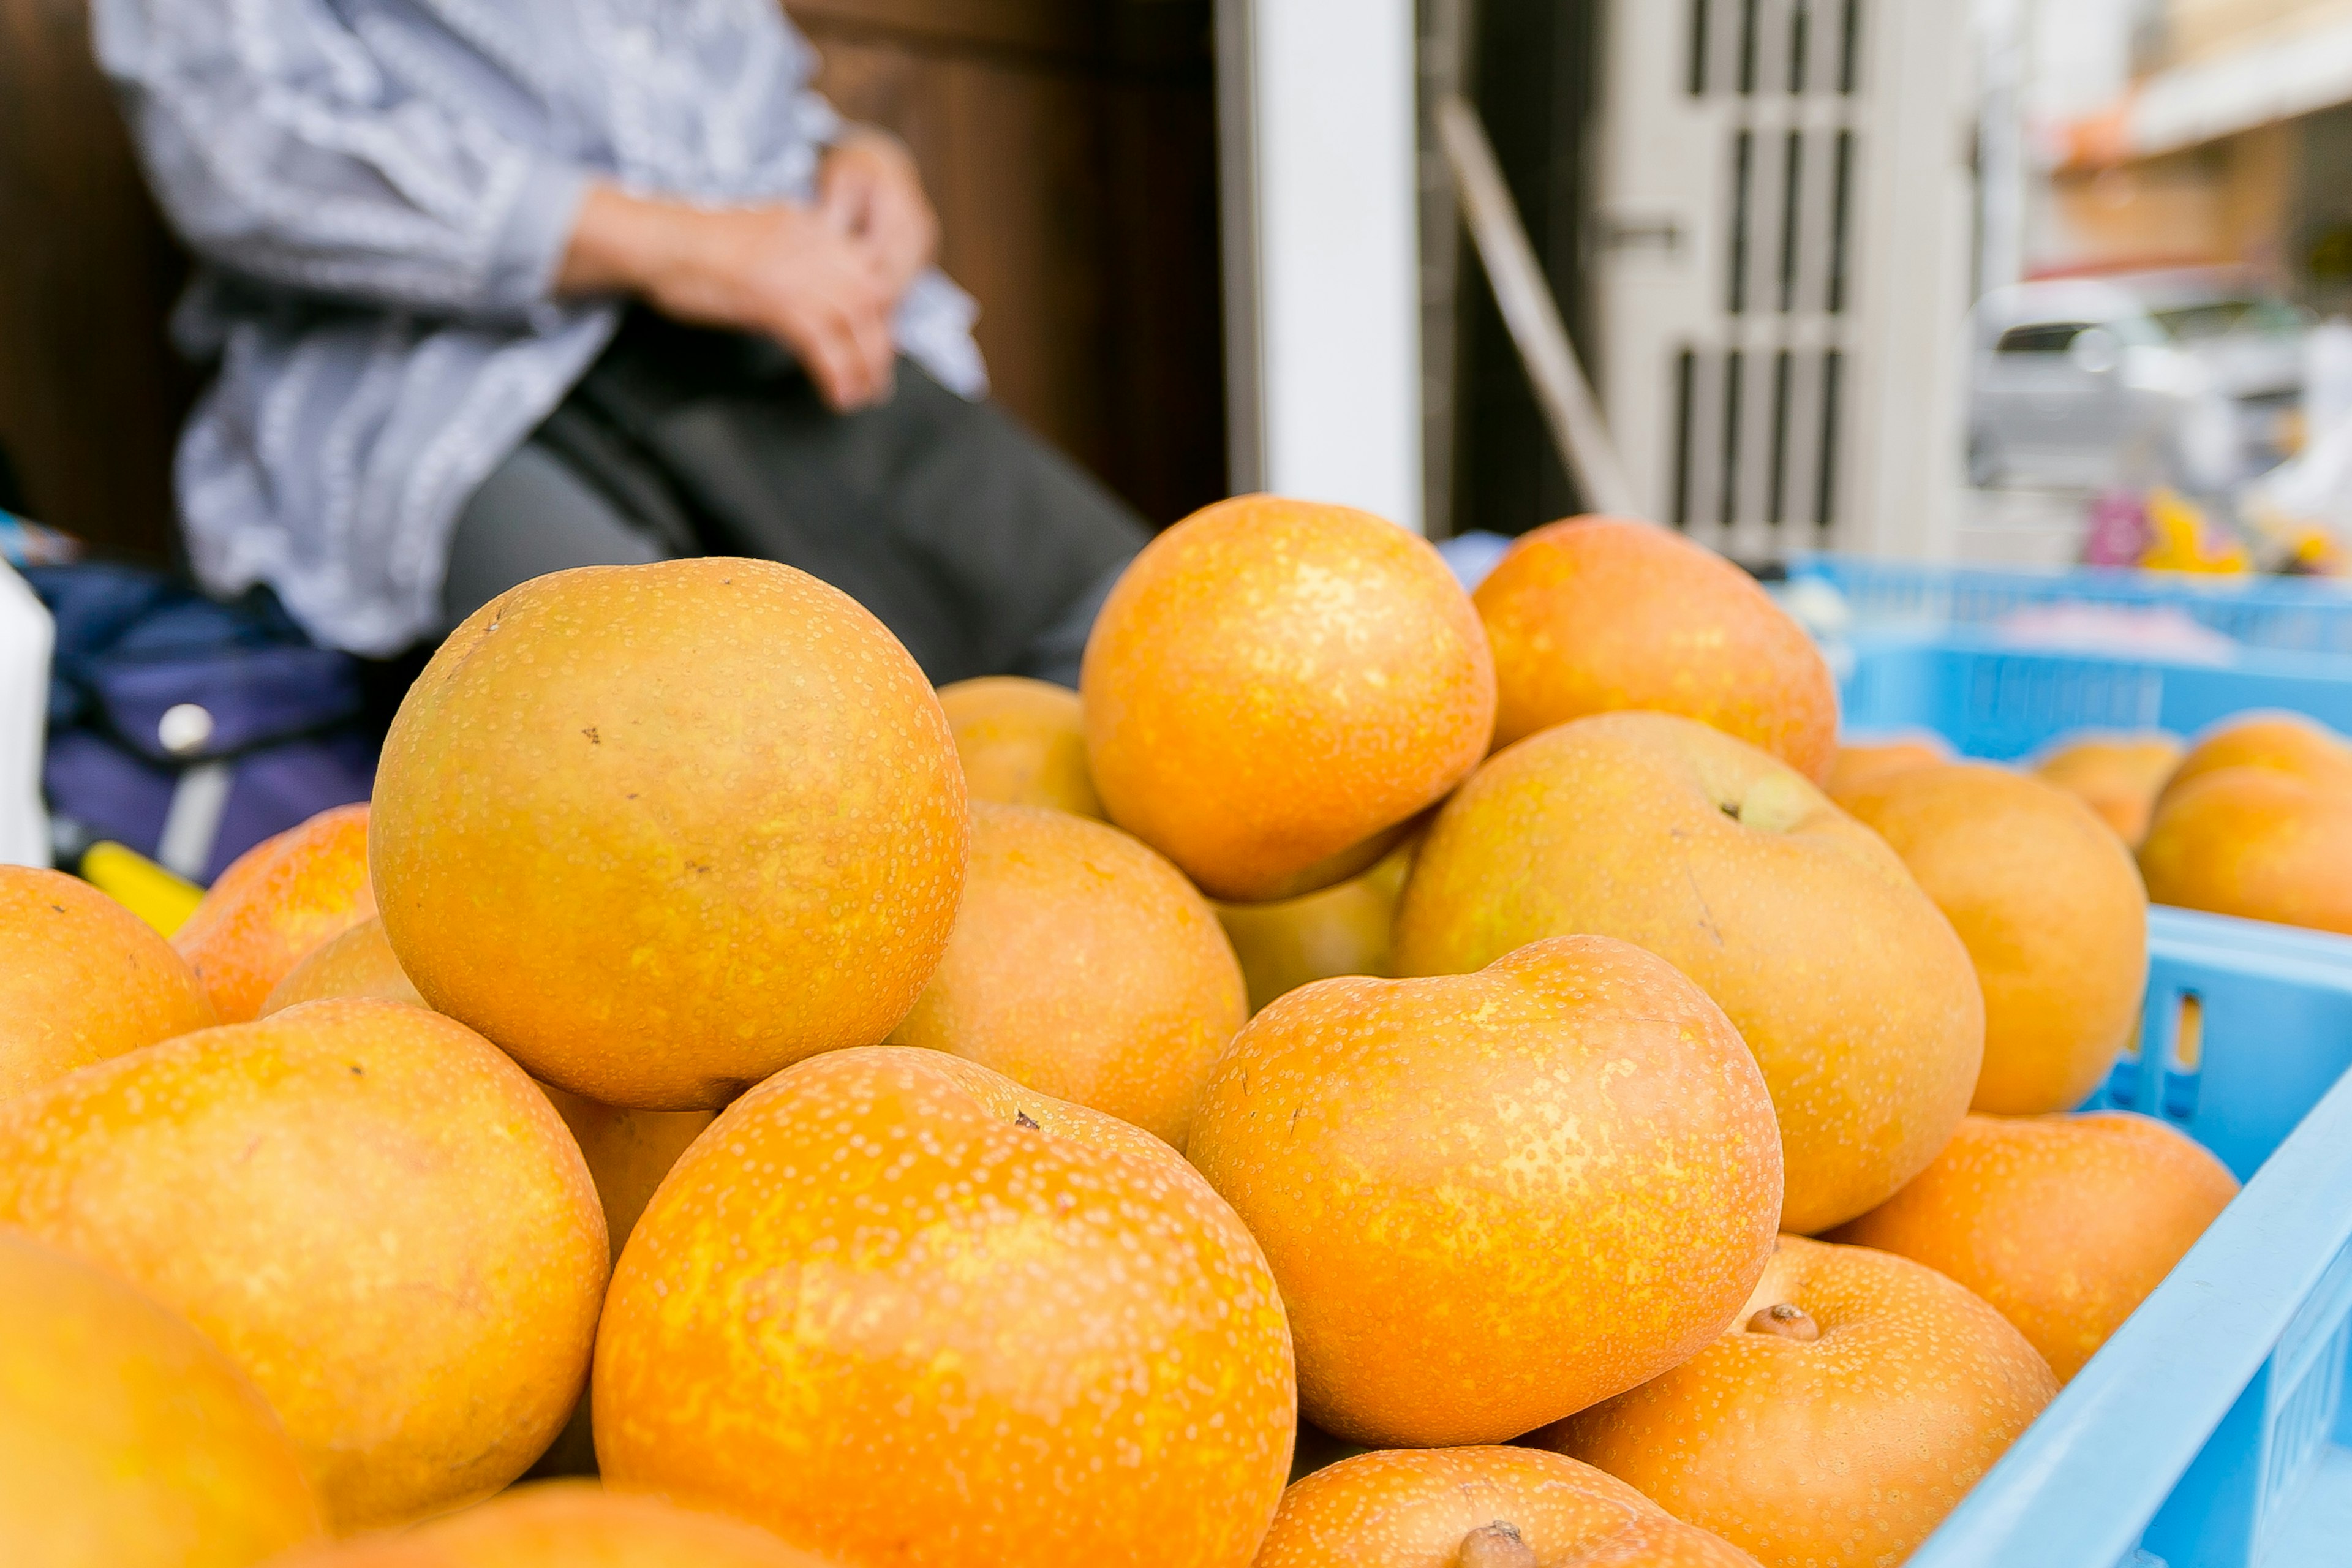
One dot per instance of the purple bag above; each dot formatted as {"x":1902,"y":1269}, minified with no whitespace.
{"x":190,"y":729}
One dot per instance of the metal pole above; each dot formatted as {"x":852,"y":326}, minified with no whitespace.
{"x":1531,"y":314}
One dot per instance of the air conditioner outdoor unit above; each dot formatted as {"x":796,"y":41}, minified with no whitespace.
{"x":1782,"y":262}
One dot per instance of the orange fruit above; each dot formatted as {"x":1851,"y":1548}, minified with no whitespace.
{"x":358,"y":963}
{"x":2051,"y":908}
{"x":1852,"y":1405}
{"x":1593,"y":614}
{"x":1085,"y":966}
{"x":660,"y":830}
{"x":1845,"y":981}
{"x":2064,"y":1223}
{"x":1022,"y":742}
{"x":2116,"y":775}
{"x":372,"y":1211}
{"x":896,"y":1308}
{"x":1479,"y":1508}
{"x":1274,"y":686}
{"x":127,"y":1440}
{"x":1493,"y":1199}
{"x":566,"y":1524}
{"x":276,"y":903}
{"x":82,"y":979}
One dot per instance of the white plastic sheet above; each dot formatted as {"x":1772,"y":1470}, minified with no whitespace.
{"x":26,"y":636}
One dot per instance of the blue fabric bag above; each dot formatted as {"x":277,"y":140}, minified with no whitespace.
{"x":191,"y":729}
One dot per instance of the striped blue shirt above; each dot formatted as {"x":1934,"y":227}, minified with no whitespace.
{"x":379,"y":193}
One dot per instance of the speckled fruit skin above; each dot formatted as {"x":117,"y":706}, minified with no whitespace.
{"x":1347,"y":927}
{"x":372,"y":1211}
{"x":2253,"y":842}
{"x":1493,"y":1199}
{"x":1595,"y":615}
{"x":1846,"y":982}
{"x":82,"y":979}
{"x":276,"y":903}
{"x":2116,"y":775}
{"x":126,"y":1440}
{"x":567,"y":1524}
{"x":660,"y":830}
{"x":2285,"y":743}
{"x":874,"y":1312}
{"x":1084,"y":967}
{"x":2049,"y":906}
{"x":1022,"y":742}
{"x":1275,"y":685}
{"x":1410,"y":1508}
{"x":1836,"y":1452}
{"x":2064,"y":1223}
{"x":360,"y":963}
{"x":628,"y":1153}
{"x":1855,"y":766}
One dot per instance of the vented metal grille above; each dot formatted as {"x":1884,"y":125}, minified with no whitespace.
{"x":1758,"y":393}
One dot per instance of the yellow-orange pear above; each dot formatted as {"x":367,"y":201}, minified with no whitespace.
{"x":628,"y":1153}
{"x":660,"y":830}
{"x":276,"y":903}
{"x":2116,"y":775}
{"x":360,"y":963}
{"x":2278,"y":742}
{"x":566,"y":1524}
{"x":1594,"y":614}
{"x":2260,"y":843}
{"x":898,"y":1309}
{"x":1022,"y":742}
{"x":1866,"y":763}
{"x":1846,"y":982}
{"x":1085,"y":966}
{"x":1347,"y":927}
{"x":2050,"y":905}
{"x":1479,"y":1508}
{"x":1846,"y":1413}
{"x":2064,"y":1223}
{"x":1274,"y":686}
{"x":81,"y":979}
{"x":1493,"y":1199}
{"x":372,"y":1211}
{"x":127,"y":1440}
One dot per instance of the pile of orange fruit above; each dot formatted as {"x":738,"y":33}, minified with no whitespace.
{"x":1382,"y":1077}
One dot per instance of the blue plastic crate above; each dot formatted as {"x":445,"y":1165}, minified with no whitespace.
{"x":2214,"y":1430}
{"x":1990,"y":697}
{"x":2288,"y":615}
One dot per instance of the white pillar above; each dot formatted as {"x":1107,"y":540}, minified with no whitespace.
{"x":1322,"y":257}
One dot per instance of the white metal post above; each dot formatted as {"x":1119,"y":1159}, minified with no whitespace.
{"x":1323,"y":330}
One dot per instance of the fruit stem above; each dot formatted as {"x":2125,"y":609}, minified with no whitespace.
{"x":1496,"y":1545}
{"x":1785,"y":1320}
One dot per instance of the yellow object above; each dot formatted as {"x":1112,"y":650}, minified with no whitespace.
{"x":146,"y":889}
{"x":2181,"y":542}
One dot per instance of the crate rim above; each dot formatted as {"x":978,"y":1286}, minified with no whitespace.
{"x":2119,"y":1435}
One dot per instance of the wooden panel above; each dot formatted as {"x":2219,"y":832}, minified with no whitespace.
{"x":1078,"y":203}
{"x":90,"y":396}
{"x":1058,"y":26}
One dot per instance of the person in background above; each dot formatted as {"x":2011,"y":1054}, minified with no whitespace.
{"x":501,"y":287}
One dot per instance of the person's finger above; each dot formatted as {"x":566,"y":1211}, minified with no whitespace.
{"x":828,"y":353}
{"x":843,"y":193}
{"x":877,"y":353}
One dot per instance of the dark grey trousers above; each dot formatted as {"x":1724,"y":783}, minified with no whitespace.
{"x":983,"y":550}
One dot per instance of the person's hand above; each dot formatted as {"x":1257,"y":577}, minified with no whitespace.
{"x":789,"y":272}
{"x":869,"y":188}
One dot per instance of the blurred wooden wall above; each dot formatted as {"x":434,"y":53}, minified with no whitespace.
{"x":90,"y":396}
{"x":1069,"y":144}
{"x":1071,"y":148}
